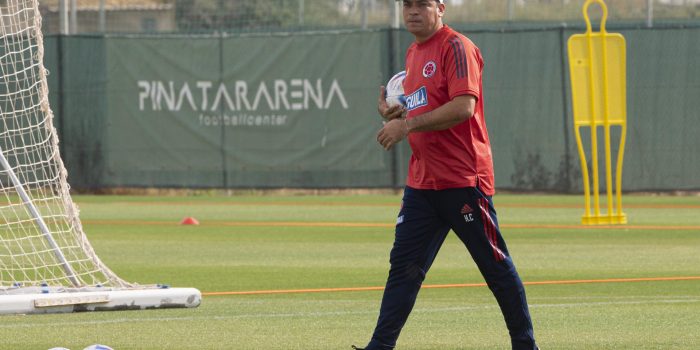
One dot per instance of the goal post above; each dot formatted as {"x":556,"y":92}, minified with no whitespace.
{"x":46,"y":261}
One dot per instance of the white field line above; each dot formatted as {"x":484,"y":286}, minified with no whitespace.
{"x":63,"y":323}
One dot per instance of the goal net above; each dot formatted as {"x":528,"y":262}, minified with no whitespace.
{"x":43,"y":249}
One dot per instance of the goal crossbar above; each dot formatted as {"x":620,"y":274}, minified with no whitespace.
{"x":108,"y":300}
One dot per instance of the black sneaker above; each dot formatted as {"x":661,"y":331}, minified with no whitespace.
{"x":356,"y":348}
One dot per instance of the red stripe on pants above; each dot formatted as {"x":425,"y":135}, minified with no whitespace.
{"x":490,"y":229}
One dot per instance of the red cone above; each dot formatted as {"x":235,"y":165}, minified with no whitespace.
{"x":189,"y":221}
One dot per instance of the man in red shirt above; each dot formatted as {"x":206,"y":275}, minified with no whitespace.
{"x":450,"y":175}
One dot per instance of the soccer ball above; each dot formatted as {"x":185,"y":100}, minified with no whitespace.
{"x":98,"y":347}
{"x":394,"y":90}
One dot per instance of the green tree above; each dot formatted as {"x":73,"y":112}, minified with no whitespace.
{"x":234,"y":15}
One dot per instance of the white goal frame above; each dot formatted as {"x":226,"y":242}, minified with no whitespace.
{"x":47,"y":264}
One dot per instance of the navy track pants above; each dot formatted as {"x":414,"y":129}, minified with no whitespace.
{"x":425,"y":219}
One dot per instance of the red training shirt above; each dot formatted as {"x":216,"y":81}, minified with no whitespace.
{"x":445,"y":66}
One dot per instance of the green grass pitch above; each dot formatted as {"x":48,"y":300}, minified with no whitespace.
{"x":254,"y":243}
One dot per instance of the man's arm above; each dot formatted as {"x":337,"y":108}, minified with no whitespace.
{"x":444,"y":117}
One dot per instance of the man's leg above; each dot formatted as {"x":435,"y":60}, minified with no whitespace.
{"x":419,"y":236}
{"x":473,"y":218}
